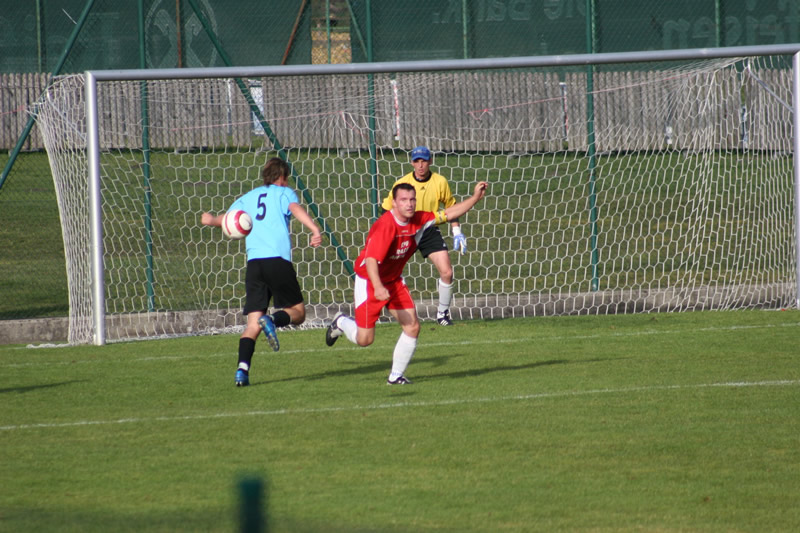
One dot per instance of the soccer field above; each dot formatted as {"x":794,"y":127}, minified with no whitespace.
{"x":656,"y":422}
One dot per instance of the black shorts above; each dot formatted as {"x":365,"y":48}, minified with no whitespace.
{"x":273,"y":279}
{"x":431,"y":241}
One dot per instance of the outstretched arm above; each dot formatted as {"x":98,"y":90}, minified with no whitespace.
{"x":208,"y":219}
{"x":455,"y":211}
{"x":306,"y":220}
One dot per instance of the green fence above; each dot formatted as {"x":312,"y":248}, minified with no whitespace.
{"x":33,"y":33}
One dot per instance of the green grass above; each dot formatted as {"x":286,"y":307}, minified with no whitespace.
{"x":662,"y":422}
{"x":33,"y":279}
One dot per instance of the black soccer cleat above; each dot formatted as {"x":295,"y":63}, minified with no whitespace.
{"x":443,"y":318}
{"x":402,"y":380}
{"x":333,"y":332}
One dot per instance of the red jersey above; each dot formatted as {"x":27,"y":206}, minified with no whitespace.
{"x":392,"y":243}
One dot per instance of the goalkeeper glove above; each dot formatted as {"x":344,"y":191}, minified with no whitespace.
{"x":459,"y":240}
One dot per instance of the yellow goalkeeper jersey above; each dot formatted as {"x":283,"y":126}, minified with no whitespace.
{"x":433,"y":194}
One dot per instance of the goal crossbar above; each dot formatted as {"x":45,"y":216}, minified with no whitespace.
{"x":495,"y":63}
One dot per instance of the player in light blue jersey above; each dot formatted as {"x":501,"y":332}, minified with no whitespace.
{"x":270,"y":274}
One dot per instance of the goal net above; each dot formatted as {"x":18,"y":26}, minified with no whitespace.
{"x":656,"y":187}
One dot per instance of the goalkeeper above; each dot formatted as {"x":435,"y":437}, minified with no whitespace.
{"x":433,"y":194}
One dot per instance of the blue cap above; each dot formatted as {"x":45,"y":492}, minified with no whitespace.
{"x":421,"y":152}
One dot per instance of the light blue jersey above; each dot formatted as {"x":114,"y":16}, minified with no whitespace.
{"x":268,"y":206}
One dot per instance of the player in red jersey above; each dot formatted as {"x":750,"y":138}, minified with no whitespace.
{"x":391,"y":242}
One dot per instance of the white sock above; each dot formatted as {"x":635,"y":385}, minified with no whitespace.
{"x":336,"y":331}
{"x":403,"y":352}
{"x":445,"y":295}
{"x":244,"y":366}
{"x":348,"y":326}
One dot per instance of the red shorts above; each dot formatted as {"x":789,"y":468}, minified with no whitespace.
{"x":368,"y":308}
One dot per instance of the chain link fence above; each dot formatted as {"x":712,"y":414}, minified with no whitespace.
{"x":41,"y":38}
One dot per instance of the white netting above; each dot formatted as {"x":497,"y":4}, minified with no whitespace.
{"x":686,"y":203}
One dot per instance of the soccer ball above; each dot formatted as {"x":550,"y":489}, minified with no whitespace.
{"x":236,"y":224}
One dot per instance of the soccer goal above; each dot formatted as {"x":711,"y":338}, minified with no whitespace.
{"x":619,"y":183}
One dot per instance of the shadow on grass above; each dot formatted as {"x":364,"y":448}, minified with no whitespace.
{"x":501,"y":368}
{"x":21,"y":390}
{"x":362,"y":370}
{"x":435,"y":362}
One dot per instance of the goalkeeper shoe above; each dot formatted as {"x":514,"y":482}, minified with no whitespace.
{"x":333,"y":332}
{"x":268,"y":327}
{"x":402,"y":380}
{"x":443,"y":318}
{"x":242,"y":379}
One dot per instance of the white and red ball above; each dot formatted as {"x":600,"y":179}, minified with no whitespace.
{"x":236,"y":224}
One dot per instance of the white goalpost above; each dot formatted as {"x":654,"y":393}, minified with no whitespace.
{"x":619,"y":183}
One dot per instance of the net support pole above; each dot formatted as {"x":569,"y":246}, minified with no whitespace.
{"x":591,"y":151}
{"x":328,"y":27}
{"x":796,"y":140}
{"x":41,"y":42}
{"x":373,"y":150}
{"x":354,"y":26}
{"x":95,"y":214}
{"x":148,"y":200}
{"x":464,"y":28}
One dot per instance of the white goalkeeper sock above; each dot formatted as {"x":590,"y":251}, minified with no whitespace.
{"x":445,"y":295}
{"x":348,"y":327}
{"x":403,"y":352}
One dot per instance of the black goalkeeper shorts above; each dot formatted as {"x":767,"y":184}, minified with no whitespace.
{"x":431,"y":241}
